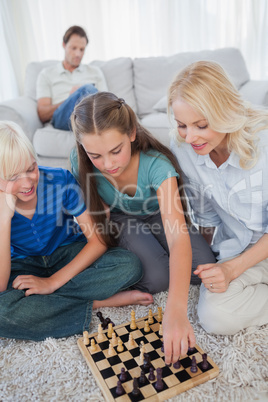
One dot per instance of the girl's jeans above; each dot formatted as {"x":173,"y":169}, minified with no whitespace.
{"x":68,"y":310}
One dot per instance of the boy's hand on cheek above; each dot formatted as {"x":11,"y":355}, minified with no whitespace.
{"x":34,"y":285}
{"x":7,"y":204}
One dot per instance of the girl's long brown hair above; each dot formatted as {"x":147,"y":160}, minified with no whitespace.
{"x":94,"y":115}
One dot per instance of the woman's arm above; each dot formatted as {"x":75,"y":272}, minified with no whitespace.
{"x":178,"y":333}
{"x":221,"y":274}
{"x":90,"y":253}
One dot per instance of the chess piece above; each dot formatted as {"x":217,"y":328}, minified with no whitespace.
{"x":111,"y":351}
{"x":100,"y":336}
{"x":93,"y":346}
{"x":177,"y":364}
{"x":162,"y":347}
{"x":191,"y":349}
{"x":114,"y":339}
{"x":123,"y":375}
{"x":151,"y":376}
{"x":160,"y":331}
{"x":150,"y":317}
{"x":130,"y":341}
{"x":85,"y":338}
{"x":133,"y":322}
{"x":136,"y":391}
{"x":146,"y":362}
{"x":119,"y":389}
{"x":193,"y":365}
{"x":142,"y":351}
{"x":110,"y":330}
{"x":142,"y":378}
{"x":120,"y":347}
{"x":100,"y":316}
{"x":146,"y":326}
{"x":159,"y":385}
{"x":108,"y":321}
{"x":159,"y":315}
{"x":204,"y":363}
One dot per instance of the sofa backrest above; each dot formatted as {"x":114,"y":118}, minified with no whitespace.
{"x":118,"y":73}
{"x":142,"y":82}
{"x":119,"y":77}
{"x":153,"y":75}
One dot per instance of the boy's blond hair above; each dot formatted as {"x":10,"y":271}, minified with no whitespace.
{"x":16,"y":150}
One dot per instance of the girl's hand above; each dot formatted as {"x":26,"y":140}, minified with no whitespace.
{"x":178,"y":334}
{"x":215,"y":277}
{"x":7,"y":204}
{"x":34,"y":285}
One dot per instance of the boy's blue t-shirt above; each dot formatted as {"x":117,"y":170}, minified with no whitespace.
{"x":59,"y":198}
{"x":154,"y":168}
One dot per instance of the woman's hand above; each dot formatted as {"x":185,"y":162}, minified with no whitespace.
{"x":34,"y":284}
{"x":178,"y":334}
{"x":215,"y":277}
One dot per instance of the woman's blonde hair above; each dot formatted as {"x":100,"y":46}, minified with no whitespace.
{"x":206,"y":87}
{"x":16,"y":149}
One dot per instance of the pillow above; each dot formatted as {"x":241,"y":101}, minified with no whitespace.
{"x":161,"y":105}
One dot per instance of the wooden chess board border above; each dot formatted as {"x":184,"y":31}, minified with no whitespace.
{"x":161,"y":396}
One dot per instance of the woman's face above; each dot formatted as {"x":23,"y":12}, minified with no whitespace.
{"x":194,"y":129}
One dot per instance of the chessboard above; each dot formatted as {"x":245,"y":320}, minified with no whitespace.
{"x":107,"y":364}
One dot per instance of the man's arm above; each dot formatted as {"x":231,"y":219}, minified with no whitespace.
{"x":45,"y":109}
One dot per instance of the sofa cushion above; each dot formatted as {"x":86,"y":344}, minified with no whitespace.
{"x":119,"y":77}
{"x":51,"y":142}
{"x":153,"y":75}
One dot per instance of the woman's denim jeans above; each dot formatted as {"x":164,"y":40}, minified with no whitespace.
{"x":68,"y":310}
{"x":61,"y":116}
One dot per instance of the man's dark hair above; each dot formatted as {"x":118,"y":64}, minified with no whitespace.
{"x":75,"y":29}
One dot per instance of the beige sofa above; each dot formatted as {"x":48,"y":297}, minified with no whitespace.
{"x":142,"y":82}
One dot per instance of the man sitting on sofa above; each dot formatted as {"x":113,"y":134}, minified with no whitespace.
{"x":59,"y":87}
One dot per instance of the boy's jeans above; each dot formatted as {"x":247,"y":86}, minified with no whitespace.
{"x":61,"y":116}
{"x":68,"y":310}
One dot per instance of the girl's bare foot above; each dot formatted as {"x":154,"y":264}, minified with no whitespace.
{"x":125,"y":298}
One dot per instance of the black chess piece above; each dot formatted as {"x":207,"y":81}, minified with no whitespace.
{"x":191,"y":349}
{"x":204,"y":363}
{"x":146,"y":362}
{"x":177,"y":364}
{"x":100,"y":316}
{"x":142,"y":378}
{"x":123,"y":375}
{"x":159,"y":385}
{"x":119,"y":389}
{"x":151,"y":376}
{"x":193,"y":365}
{"x":162,"y":347}
{"x":136,"y":391}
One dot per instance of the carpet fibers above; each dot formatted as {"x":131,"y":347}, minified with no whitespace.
{"x":54,"y":370}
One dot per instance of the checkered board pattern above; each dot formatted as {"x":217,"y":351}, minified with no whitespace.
{"x":107,"y":369}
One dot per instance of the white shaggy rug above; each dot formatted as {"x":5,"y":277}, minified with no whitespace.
{"x":54,"y":370}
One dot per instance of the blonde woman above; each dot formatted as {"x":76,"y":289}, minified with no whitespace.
{"x":221,"y":143}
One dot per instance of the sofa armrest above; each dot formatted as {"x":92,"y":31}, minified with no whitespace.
{"x":23,"y":111}
{"x":256,"y":92}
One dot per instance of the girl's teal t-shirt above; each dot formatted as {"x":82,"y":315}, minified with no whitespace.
{"x":154,"y":168}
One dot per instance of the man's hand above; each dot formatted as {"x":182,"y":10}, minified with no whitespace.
{"x":34,"y":285}
{"x":215,"y":277}
{"x":74,"y":88}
